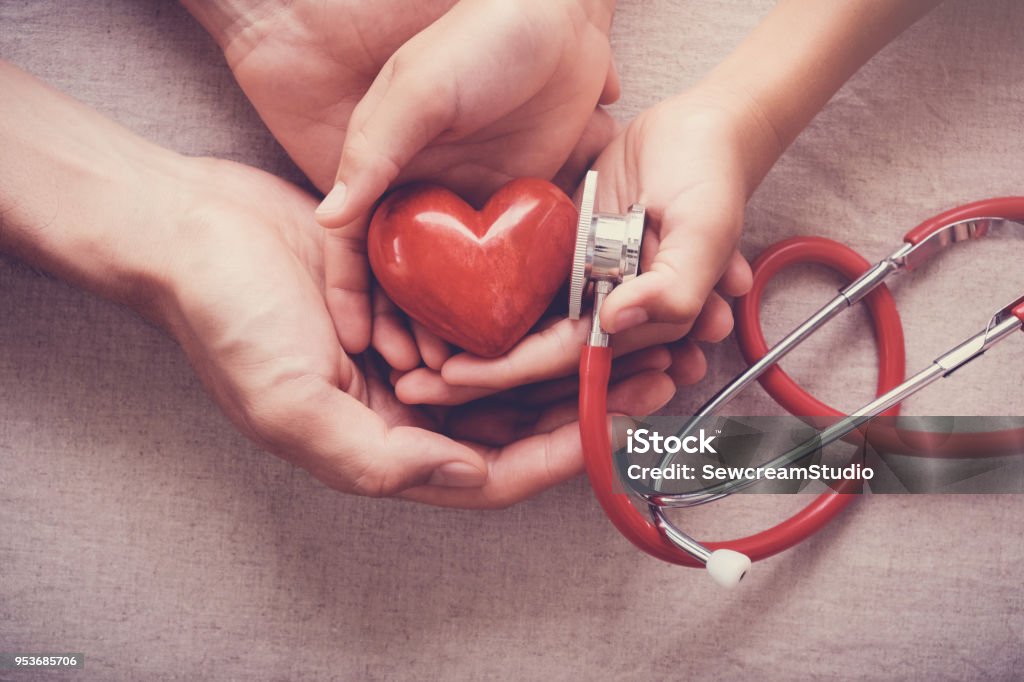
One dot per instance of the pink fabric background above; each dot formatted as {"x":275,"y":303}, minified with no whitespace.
{"x":138,"y":528}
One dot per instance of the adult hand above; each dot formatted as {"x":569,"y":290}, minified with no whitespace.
{"x":229,"y":260}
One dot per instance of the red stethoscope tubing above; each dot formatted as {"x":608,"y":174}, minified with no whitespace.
{"x":595,"y":369}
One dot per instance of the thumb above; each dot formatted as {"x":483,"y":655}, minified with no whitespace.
{"x":697,"y":240}
{"x":347,"y":285}
{"x":406,"y":107}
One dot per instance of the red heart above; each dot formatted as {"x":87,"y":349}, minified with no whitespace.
{"x":477,"y":279}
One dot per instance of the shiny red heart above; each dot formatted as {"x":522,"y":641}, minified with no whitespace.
{"x":478,"y":279}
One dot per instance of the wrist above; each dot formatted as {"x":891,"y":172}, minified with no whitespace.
{"x":108,"y":230}
{"x":83,"y":198}
{"x":235,"y":25}
{"x":785,"y":71}
{"x":740,"y":121}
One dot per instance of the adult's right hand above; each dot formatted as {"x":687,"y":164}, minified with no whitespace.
{"x":230,"y":261}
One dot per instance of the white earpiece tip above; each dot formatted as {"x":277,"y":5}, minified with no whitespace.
{"x":727,"y":567}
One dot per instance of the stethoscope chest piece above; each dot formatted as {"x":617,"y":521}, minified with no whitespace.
{"x":607,"y":247}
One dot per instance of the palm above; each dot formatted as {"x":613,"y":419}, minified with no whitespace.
{"x":304,"y":82}
{"x":263,"y":331}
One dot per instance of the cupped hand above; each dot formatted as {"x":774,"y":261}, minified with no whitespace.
{"x":491,"y":91}
{"x":247,"y":305}
{"x":470,"y":95}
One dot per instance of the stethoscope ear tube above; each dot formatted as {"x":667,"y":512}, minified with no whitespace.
{"x":884,"y":316}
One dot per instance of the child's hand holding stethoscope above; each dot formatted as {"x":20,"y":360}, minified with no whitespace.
{"x":692,"y":161}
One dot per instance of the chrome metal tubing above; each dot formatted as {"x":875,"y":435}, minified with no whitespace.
{"x":678,"y":538}
{"x":849,"y":295}
{"x":1000,"y":327}
{"x":598,"y":336}
{"x":916,"y":255}
{"x":778,"y":351}
{"x":866,"y":283}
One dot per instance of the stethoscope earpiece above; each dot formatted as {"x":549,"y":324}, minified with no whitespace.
{"x":727,"y":567}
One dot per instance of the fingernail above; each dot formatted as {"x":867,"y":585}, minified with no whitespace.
{"x":629,"y":318}
{"x":457,"y":475}
{"x":334,"y":201}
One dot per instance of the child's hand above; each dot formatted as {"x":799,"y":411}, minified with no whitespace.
{"x":688,"y":160}
{"x":692,"y":161}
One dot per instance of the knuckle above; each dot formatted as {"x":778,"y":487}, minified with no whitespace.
{"x":361,"y":153}
{"x":372,"y":481}
{"x":682,"y":306}
{"x":430,"y":90}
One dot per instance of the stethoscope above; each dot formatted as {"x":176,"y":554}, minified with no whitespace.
{"x":607,"y":253}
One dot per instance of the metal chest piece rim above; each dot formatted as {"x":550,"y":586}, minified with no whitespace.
{"x":607,"y":245}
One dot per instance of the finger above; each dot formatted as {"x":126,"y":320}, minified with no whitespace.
{"x":655,"y":358}
{"x":549,"y":353}
{"x":347,"y":285}
{"x":390,"y":335}
{"x":612,"y":86}
{"x":714,"y":322}
{"x":641,"y":394}
{"x":349,"y":447}
{"x":395,"y":374}
{"x":647,"y":335}
{"x":429,"y":86}
{"x":516,"y":471}
{"x":600,"y":130}
{"x":697,"y":242}
{"x":400,"y":113}
{"x":433,"y":349}
{"x":541,"y":460}
{"x":499,"y":423}
{"x":427,"y":387}
{"x":688,"y":363}
{"x":737,"y":278}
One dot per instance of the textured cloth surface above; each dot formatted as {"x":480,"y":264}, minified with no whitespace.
{"x":138,"y":528}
